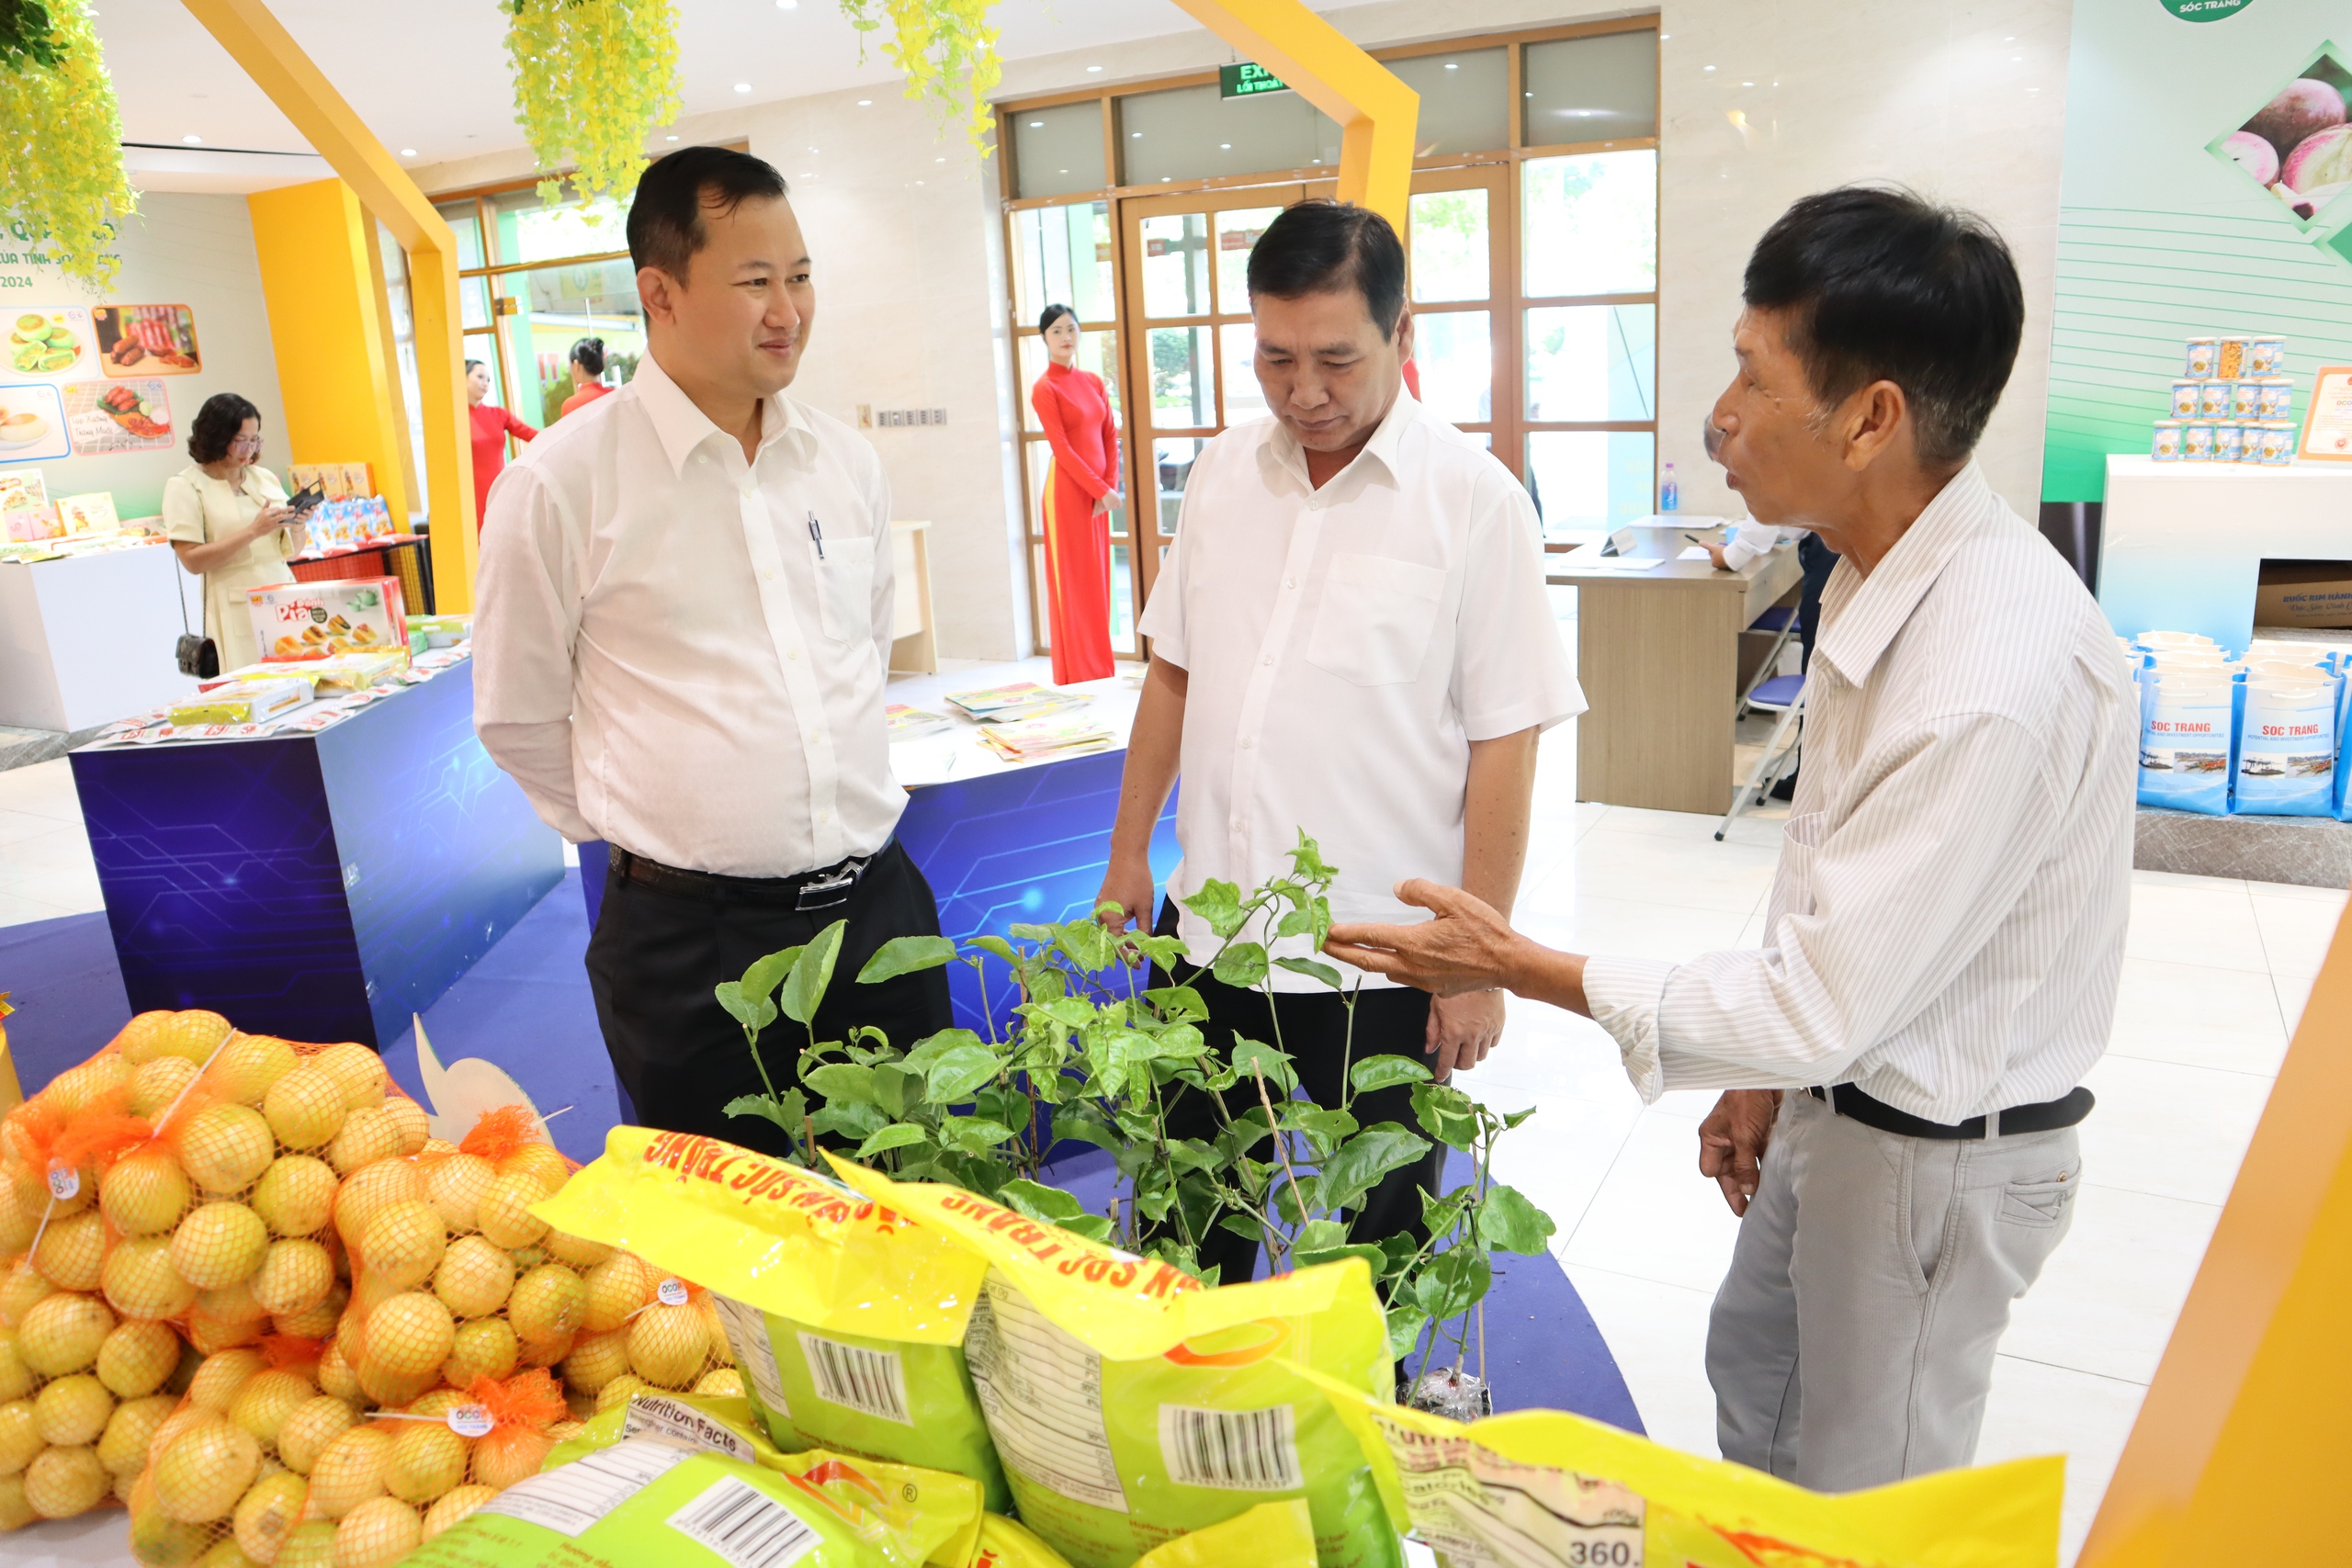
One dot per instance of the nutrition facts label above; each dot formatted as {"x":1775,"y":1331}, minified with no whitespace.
{"x":747,"y":1333}
{"x":1042,"y":1391}
{"x":1478,"y":1509}
{"x":570,"y":1497}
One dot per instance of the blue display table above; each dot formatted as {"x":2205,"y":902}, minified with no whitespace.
{"x":318,"y":887}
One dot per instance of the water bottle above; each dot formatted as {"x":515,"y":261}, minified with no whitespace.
{"x":1669,"y":494}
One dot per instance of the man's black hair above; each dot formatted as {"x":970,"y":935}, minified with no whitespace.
{"x":1881,"y":284}
{"x":665,"y":226}
{"x":1329,"y":247}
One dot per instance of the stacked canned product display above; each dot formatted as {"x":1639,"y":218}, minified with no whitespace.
{"x":2232,"y":404}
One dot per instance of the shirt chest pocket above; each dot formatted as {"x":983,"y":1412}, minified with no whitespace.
{"x":845,"y":588}
{"x":1374,"y":626}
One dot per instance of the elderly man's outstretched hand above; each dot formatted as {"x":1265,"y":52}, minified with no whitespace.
{"x":1468,"y":946}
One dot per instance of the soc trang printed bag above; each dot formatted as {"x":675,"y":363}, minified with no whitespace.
{"x":2285,"y":749}
{"x":847,"y":1320}
{"x":2187,"y":727}
{"x":1131,"y":1404}
{"x":1271,"y":1535}
{"x":1542,"y":1487}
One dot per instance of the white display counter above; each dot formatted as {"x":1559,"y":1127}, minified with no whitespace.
{"x":87,"y":639}
{"x":2181,"y":544}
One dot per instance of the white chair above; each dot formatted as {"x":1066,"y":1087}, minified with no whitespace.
{"x":1783,"y":694}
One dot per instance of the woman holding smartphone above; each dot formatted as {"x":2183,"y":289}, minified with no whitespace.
{"x":228,"y":522}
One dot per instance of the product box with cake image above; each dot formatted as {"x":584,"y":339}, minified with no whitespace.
{"x":312,"y":620}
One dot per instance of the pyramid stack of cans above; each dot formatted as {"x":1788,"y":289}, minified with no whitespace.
{"x":2231,"y":403}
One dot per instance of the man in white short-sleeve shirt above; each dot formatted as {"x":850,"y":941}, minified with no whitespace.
{"x":1352,"y":639}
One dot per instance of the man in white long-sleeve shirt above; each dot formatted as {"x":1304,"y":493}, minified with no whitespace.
{"x":681,"y":649}
{"x":1946,"y":930}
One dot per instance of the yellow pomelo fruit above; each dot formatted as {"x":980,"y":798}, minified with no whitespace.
{"x":544,"y":1161}
{"x":578,"y":1251}
{"x":668,"y":1345}
{"x":156,"y":1086}
{"x":316,"y":1422}
{"x":440,"y":1402}
{"x":426,"y":1460}
{"x":547,"y":1303}
{"x":305,"y":1107}
{"x":385,"y":1389}
{"x":310,"y":1544}
{"x":349,"y":1471}
{"x":548,"y":1352}
{"x":140,"y":1281}
{"x":408,"y":1335}
{"x":369,"y":1134}
{"x":485,"y":1347}
{"x":724,"y":1382}
{"x":268,"y":1400}
{"x":232,"y":1303}
{"x":19,"y":1220}
{"x":517,"y":1459}
{"x":145,"y":1193}
{"x":617,"y":1287}
{"x":295,"y":1195}
{"x":454,"y":1185}
{"x":377,"y":1534}
{"x":268,"y":1514}
{"x":226,"y":1554}
{"x":404,"y":1245}
{"x":455,"y":1505}
{"x":81,"y":1089}
{"x":224,"y":1377}
{"x":72,"y":1410}
{"x":295,"y":1275}
{"x":191,"y":1361}
{"x":135,"y":1359}
{"x":335,"y":1376}
{"x":247,"y":1066}
{"x":158,"y":1541}
{"x":474,"y":1278}
{"x":316,"y":1322}
{"x":219,"y":1244}
{"x":21,"y":1287}
{"x":369,"y":1192}
{"x":202,"y":1472}
{"x":15,"y":1378}
{"x":595,"y":1360}
{"x":31,"y":1190}
{"x":19,"y":1435}
{"x":213,"y":1334}
{"x":505,"y":1213}
{"x":72,"y":1252}
{"x":65,"y":1481}
{"x":15,"y":1511}
{"x":122,"y":1447}
{"x":225,"y":1148}
{"x":618,"y":1392}
{"x":191,"y":1035}
{"x":62,"y":1333}
{"x":359,"y":1070}
{"x":415,"y":1127}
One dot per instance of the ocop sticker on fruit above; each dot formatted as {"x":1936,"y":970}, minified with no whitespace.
{"x":1131,"y":1405}
{"x":847,"y":1320}
{"x":1546,"y":1486}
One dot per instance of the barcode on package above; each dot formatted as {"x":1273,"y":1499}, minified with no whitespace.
{"x":747,"y":1335}
{"x":1239,"y":1451}
{"x":745,"y":1525}
{"x":570,"y":1497}
{"x":873,"y":1382}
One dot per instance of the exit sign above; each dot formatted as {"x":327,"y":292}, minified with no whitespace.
{"x":1247,"y":80}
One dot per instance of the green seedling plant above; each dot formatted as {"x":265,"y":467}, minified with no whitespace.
{"x":1096,"y":1055}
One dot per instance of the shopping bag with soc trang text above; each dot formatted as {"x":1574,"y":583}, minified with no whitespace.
{"x":1271,"y":1535}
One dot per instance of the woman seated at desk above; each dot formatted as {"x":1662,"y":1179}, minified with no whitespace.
{"x":229,"y":523}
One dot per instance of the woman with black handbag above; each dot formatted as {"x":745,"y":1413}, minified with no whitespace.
{"x":228,"y":519}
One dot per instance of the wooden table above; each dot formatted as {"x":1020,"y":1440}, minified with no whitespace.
{"x":1658,"y":653}
{"x":914,"y":650}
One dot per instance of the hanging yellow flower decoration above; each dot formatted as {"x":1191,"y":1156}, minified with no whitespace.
{"x":948,"y":50}
{"x":591,"y":80}
{"x":61,"y":180}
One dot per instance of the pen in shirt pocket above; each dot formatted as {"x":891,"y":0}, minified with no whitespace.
{"x":817,"y":533}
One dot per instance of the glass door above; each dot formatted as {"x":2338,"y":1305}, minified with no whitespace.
{"x":1458,"y":253}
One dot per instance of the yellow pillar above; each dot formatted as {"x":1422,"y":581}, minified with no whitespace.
{"x":333,"y":369}
{"x":271,"y":56}
{"x":1376,"y":112}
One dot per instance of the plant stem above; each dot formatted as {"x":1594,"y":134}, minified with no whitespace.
{"x":1281,"y":1148}
{"x":751,"y":1040}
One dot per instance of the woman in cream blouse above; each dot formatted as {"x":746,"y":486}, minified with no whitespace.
{"x":227,"y":518}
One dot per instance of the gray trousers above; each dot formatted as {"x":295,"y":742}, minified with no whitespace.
{"x":1852,"y":1342}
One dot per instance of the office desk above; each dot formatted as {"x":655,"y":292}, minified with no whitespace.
{"x":1658,"y":653}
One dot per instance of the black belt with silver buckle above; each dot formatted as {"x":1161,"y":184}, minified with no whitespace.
{"x":827,"y":887}
{"x":2048,"y":1116}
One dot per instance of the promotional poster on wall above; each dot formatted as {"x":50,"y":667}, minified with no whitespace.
{"x":147,"y":340}
{"x":32,"y":425}
{"x":121,"y":416}
{"x":47,"y":345}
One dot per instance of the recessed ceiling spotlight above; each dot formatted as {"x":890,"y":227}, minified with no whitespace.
{"x":407,"y":152}
{"x":1093,"y":69}
{"x":742,"y":86}
{"x":1710,"y":68}
{"x":1748,"y":83}
{"x":1450,"y":65}
{"x":939,"y":160}
{"x":1134,"y":136}
{"x":1227,"y":146}
{"x":669,"y":139}
{"x":1037,"y":125}
{"x":787,"y":5}
{"x":865,"y":103}
{"x":192,"y":140}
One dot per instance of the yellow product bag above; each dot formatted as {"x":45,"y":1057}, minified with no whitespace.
{"x":1131,"y":1405}
{"x":846,"y":1319}
{"x":1544,"y":1486}
{"x":1271,"y":1535}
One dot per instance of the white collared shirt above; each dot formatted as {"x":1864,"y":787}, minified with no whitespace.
{"x":1345,"y":646}
{"x":1946,"y":929}
{"x":662,"y":658}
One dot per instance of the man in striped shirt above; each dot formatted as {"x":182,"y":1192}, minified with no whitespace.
{"x":1904,"y":1054}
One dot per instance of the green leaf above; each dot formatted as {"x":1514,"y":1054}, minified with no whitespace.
{"x":1307,"y":861}
{"x":973,"y":1135}
{"x":1163,"y":951}
{"x":1082,"y":1123}
{"x":1089,"y":943}
{"x":754,"y":1016}
{"x":1516,"y":1117}
{"x":995,"y":946}
{"x":1440,"y":1216}
{"x":1508,"y":1222}
{"x":897,"y":1135}
{"x":804,"y":989}
{"x":1040,"y":1202}
{"x":1296,"y":922}
{"x":1315,"y":969}
{"x":1241,"y":965}
{"x":842,"y":1082}
{"x":954,"y":1075}
{"x":904,"y":955}
{"x":1362,"y":1160}
{"x":766,"y":1106}
{"x":1447,"y":1113}
{"x":1218,"y":903}
{"x":1452,"y":1282}
{"x":1319,"y":1235}
{"x":1372,"y":1257}
{"x":849,"y":1119}
{"x":1281,"y":1080}
{"x":765,"y":973}
{"x":937,"y":1045}
{"x":1404,"y":1325}
{"x":890,"y":1081}
{"x":1248,"y":1225}
{"x":1324,"y":1128}
{"x":1386,"y":1072}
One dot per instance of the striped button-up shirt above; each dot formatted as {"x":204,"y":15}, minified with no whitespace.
{"x":1946,"y":927}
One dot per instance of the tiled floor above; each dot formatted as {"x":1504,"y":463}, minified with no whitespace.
{"x":2215,"y":979}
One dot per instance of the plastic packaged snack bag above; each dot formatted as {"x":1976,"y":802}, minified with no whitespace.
{"x":1131,"y":1405}
{"x":847,"y":1319}
{"x":1542,"y":1487}
{"x":1271,"y":1535}
{"x":2186,"y":732}
{"x":2286,"y":750}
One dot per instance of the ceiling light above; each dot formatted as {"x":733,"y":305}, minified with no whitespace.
{"x":2011,"y":39}
{"x":742,"y":86}
{"x":1227,"y":146}
{"x":1065,"y":171}
{"x":192,"y":140}
{"x":407,"y":152}
{"x":787,"y":5}
{"x":865,"y":103}
{"x":1748,"y":83}
{"x":1092,"y":69}
{"x":669,"y":139}
{"x":1452,"y":66}
{"x":1037,"y":125}
{"x":939,"y":160}
{"x":1710,"y":68}
{"x":1134,"y":136}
